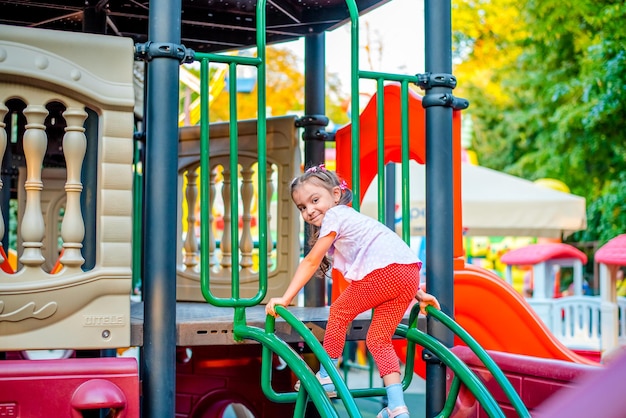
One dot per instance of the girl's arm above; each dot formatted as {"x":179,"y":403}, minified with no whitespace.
{"x":303,"y":274}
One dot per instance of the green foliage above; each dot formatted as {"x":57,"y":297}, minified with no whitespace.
{"x":558,"y":111}
{"x":606,"y":216}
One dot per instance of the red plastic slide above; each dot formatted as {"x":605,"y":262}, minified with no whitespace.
{"x":499,"y":319}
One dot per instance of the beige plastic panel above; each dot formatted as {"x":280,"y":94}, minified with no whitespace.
{"x":70,"y":308}
{"x":283,"y":153}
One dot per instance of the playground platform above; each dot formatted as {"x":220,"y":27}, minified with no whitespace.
{"x":201,"y":324}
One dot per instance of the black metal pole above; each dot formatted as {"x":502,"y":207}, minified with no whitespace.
{"x":94,"y":17}
{"x":7,"y":175}
{"x":314,"y":104}
{"x":159,"y":338}
{"x":90,"y":185}
{"x":439,"y":200}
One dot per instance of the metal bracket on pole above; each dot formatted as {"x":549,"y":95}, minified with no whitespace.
{"x":430,"y":358}
{"x":314,"y":128}
{"x":139,"y":136}
{"x":445,"y":99}
{"x":149,"y":50}
{"x":427,"y":81}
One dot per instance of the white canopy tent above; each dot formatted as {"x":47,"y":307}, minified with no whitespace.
{"x":494,"y":204}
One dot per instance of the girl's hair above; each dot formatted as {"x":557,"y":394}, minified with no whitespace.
{"x":322,"y":177}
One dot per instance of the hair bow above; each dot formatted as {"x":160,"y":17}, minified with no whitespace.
{"x":315,"y":168}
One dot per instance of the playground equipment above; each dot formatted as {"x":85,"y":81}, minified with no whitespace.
{"x":69,"y":387}
{"x":611,"y":259}
{"x":283,"y":162}
{"x":225,"y":349}
{"x":587,"y":324}
{"x":90,"y":295}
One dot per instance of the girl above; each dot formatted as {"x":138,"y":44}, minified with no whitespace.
{"x":382,"y":270}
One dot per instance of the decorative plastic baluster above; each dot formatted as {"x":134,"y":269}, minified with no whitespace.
{"x":245,"y":244}
{"x":73,"y":225}
{"x":35,"y":144}
{"x":212,"y":194}
{"x":226,"y":244}
{"x":191,"y":242}
{"x":270,"y":194}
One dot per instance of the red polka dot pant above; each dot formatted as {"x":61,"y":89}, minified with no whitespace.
{"x":389,"y":292}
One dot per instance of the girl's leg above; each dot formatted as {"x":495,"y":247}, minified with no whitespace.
{"x":343,"y":310}
{"x":401,"y":282}
{"x":389,"y":291}
{"x":323,"y":373}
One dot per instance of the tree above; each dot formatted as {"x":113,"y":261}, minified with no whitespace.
{"x":606,"y":216}
{"x":560,"y":113}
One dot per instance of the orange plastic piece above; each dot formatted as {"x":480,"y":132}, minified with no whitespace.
{"x":6,"y":264}
{"x":57,"y":265}
{"x":368,"y":147}
{"x":393,"y":140}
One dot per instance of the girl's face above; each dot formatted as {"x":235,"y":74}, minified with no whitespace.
{"x":313,"y":200}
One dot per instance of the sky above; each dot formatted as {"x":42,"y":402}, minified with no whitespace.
{"x":396,"y":36}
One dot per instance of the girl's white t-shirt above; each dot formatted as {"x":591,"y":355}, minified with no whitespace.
{"x":362,"y":244}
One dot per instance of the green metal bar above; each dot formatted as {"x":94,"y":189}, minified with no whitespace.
{"x":234,"y":59}
{"x":205,"y":180}
{"x":453,"y":393}
{"x":373,"y":75}
{"x":409,"y":364}
{"x":301,"y":404}
{"x":354,"y":83}
{"x":315,"y":346}
{"x":301,"y":398}
{"x":319,"y":398}
{"x":137,"y":217}
{"x":234,"y":181}
{"x":472,"y":382}
{"x":262,"y":152}
{"x":406,"y":187}
{"x":380,"y":117}
{"x":489,"y":363}
{"x":205,"y":183}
